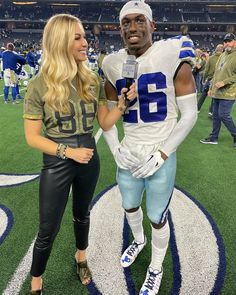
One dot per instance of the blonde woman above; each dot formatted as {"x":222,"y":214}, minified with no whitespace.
{"x":64,"y":98}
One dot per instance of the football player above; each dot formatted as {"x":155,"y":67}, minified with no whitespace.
{"x":10,"y":60}
{"x":31,"y":58}
{"x":21,"y":75}
{"x":146,"y":157}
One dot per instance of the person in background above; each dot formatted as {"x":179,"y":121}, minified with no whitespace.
{"x":10,"y":60}
{"x":208,"y":75}
{"x":1,"y":67}
{"x":65,"y":97}
{"x":31,"y":59}
{"x":101,"y":56}
{"x":198,"y":69}
{"x":146,"y":157}
{"x":223,"y":92}
{"x":21,"y":75}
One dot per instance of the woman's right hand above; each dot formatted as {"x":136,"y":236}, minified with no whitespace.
{"x":81,"y":155}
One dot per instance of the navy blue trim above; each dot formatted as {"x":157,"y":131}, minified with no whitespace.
{"x":177,"y":278}
{"x":186,"y":53}
{"x":219,"y":281}
{"x":20,"y":183}
{"x":10,"y":222}
{"x":187,"y":44}
{"x":165,"y":212}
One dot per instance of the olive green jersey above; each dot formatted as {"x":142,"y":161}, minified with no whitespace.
{"x":78,"y":121}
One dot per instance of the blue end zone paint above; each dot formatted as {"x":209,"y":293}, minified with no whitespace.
{"x":20,"y":183}
{"x":219,"y":282}
{"x":10,"y":221}
{"x":175,"y":258}
{"x":174,"y":251}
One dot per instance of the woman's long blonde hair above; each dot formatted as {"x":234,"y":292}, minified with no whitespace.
{"x":59,"y":67}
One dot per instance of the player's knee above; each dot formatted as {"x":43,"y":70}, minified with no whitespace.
{"x":156,"y":218}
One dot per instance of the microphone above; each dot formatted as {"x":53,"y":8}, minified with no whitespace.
{"x":129,"y":72}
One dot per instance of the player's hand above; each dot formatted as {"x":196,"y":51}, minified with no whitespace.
{"x":149,"y":166}
{"x":80,"y":155}
{"x":124,"y":159}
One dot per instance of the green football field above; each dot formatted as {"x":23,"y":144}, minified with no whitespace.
{"x":201,"y":258}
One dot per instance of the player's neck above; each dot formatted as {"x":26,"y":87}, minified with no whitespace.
{"x":139,"y":51}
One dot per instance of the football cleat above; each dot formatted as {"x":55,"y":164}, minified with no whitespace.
{"x":130,"y":254}
{"x":152,"y":282}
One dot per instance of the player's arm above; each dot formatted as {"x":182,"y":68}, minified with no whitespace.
{"x":124,"y":159}
{"x":186,"y":99}
{"x":187,"y":103}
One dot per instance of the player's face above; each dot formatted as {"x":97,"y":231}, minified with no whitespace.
{"x":80,"y":46}
{"x":136,"y":31}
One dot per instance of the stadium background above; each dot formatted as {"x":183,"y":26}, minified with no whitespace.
{"x":206,"y":172}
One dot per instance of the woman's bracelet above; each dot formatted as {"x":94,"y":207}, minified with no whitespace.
{"x":61,"y":151}
{"x":121,"y":108}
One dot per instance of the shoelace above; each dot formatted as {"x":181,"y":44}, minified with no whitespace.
{"x":132,"y":249}
{"x":150,"y":283}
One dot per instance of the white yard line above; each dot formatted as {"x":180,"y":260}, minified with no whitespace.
{"x":19,"y":276}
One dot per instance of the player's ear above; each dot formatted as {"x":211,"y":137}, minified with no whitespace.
{"x":153,"y":26}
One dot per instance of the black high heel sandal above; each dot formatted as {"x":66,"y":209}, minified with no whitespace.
{"x":83,"y":272}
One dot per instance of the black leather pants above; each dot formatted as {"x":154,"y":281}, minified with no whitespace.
{"x":57,"y":176}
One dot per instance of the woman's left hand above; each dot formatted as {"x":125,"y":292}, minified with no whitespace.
{"x":130,"y":94}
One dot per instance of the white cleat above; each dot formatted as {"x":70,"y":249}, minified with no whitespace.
{"x":152,"y":282}
{"x":130,"y":254}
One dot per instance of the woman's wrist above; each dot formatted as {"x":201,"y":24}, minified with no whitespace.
{"x":121,"y":105}
{"x":61,"y":151}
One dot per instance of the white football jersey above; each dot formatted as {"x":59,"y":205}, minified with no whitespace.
{"x":152,"y":116}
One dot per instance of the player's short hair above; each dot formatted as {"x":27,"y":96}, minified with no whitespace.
{"x":10,"y":46}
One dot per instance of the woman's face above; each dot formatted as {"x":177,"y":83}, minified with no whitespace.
{"x":80,"y":46}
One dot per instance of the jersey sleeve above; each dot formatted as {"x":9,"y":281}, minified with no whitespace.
{"x":186,"y":52}
{"x":33,"y":103}
{"x":106,"y":68}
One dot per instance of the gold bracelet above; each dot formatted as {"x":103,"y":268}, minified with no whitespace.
{"x":61,"y":151}
{"x":121,"y":108}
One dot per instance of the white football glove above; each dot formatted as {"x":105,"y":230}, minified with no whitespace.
{"x":149,"y":166}
{"x":124,"y":159}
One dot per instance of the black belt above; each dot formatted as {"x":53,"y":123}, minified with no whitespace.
{"x":82,"y":140}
